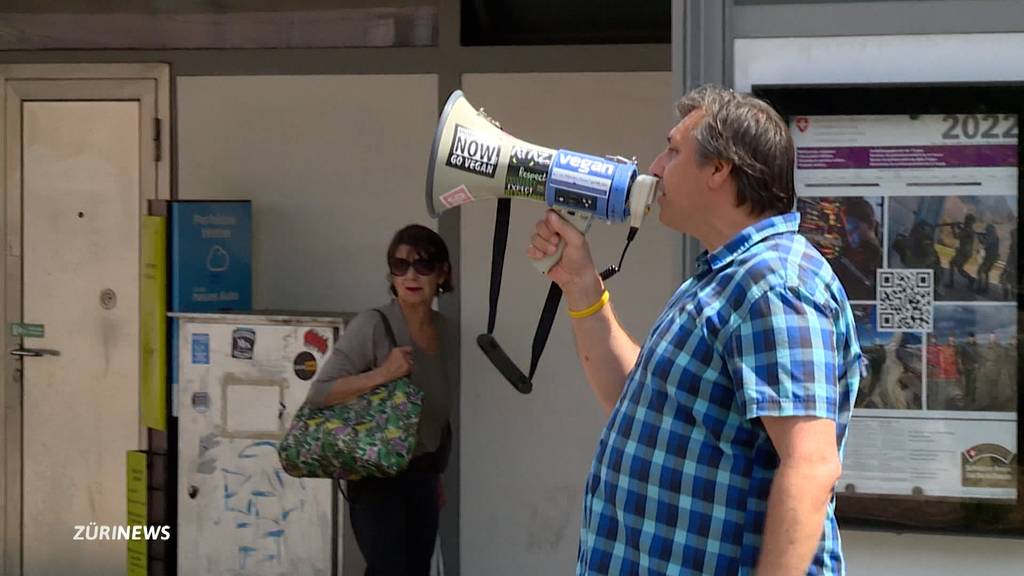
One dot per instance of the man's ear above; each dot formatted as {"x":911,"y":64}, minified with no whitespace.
{"x":722,"y":170}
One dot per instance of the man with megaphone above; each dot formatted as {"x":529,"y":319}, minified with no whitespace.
{"x":726,"y":427}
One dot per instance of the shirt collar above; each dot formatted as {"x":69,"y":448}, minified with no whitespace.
{"x":749,"y":236}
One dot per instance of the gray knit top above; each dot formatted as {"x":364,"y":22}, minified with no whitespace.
{"x":364,"y":345}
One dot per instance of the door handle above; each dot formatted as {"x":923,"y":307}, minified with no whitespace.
{"x":34,"y":352}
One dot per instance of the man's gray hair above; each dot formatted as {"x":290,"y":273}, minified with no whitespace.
{"x":749,"y":134}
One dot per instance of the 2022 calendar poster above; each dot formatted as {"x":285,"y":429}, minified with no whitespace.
{"x":918,"y":217}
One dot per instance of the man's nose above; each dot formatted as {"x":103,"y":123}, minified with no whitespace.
{"x":655,"y":167}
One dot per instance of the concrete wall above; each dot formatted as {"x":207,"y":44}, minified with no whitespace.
{"x":334,"y":166}
{"x":525,"y":458}
{"x":335,"y":163}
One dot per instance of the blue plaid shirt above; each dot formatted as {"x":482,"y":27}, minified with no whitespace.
{"x":681,"y":476}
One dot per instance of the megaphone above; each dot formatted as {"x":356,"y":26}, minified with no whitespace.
{"x":473,"y":159}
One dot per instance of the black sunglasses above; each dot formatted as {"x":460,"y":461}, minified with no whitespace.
{"x":399,"y":266}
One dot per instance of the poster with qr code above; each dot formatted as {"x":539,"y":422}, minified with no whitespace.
{"x":918,"y":220}
{"x":905,"y":300}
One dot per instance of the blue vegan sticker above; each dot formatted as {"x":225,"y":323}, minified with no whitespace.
{"x":581,"y":182}
{"x":200,"y":348}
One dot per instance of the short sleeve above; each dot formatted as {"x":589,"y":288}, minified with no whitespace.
{"x":361,"y":347}
{"x":783,"y":357}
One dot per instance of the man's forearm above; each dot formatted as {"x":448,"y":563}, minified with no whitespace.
{"x":795,"y":519}
{"x":607,"y":354}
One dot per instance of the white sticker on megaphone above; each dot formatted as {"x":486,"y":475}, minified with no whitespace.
{"x":453,"y":198}
{"x":473,"y":152}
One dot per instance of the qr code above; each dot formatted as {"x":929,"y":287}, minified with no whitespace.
{"x":905,"y":300}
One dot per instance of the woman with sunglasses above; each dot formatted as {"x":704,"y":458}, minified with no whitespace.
{"x":395,"y":520}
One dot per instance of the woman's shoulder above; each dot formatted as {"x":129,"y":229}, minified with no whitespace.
{"x":366,"y":322}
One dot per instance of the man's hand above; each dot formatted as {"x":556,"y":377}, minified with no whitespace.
{"x":606,"y":352}
{"x":575,"y":273}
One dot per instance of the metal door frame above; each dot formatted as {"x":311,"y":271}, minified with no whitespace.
{"x":150,"y":85}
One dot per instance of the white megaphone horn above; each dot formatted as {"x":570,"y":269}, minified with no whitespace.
{"x":472,"y":159}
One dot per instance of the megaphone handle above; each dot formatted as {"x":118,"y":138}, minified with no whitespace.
{"x":580,"y":221}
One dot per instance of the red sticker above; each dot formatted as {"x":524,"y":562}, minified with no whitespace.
{"x":315,"y":340}
{"x":803,"y":123}
{"x":453,"y":198}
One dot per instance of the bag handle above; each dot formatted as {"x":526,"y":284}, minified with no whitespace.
{"x":394,"y":344}
{"x":387,"y":327}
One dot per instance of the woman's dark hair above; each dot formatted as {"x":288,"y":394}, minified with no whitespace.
{"x":428,"y":245}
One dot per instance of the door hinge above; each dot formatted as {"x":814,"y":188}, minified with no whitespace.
{"x":157,"y":148}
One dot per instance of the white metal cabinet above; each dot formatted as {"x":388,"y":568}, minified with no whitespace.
{"x":239,"y":380}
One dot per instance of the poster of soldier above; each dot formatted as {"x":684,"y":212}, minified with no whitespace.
{"x":918,"y":217}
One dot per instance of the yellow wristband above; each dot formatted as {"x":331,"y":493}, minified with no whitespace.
{"x":592,"y":309}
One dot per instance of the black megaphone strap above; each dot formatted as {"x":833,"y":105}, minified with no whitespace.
{"x":487,"y":342}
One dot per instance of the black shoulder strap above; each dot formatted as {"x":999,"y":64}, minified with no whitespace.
{"x":387,"y":327}
{"x":394,"y":344}
{"x":487,"y":342}
{"x":498,"y":257}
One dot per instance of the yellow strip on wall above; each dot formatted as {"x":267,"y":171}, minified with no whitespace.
{"x":137,"y":515}
{"x":153,"y":329}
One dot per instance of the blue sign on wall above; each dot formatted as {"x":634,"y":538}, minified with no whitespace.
{"x":200,"y":348}
{"x":211,"y":256}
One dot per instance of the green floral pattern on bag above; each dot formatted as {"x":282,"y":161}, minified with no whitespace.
{"x":371,"y":436}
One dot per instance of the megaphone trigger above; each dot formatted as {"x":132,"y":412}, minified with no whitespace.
{"x":580,"y":221}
